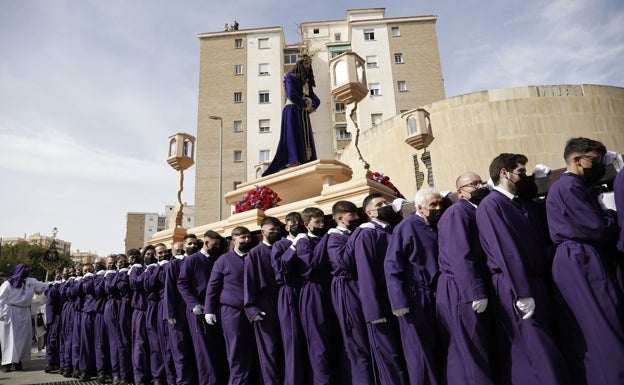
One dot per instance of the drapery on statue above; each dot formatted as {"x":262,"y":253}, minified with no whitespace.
{"x":296,"y":144}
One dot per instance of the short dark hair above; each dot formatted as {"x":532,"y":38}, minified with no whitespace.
{"x":270,"y":221}
{"x":507,"y":161}
{"x":189,"y":235}
{"x":211,"y":234}
{"x":311,"y":212}
{"x":369,"y":198}
{"x":133,"y":252}
{"x":343,"y":207}
{"x":293,"y":216}
{"x":240,"y":230}
{"x":582,"y":146}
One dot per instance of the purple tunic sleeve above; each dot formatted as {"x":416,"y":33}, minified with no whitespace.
{"x":252,"y":282}
{"x":363,"y":246}
{"x":618,"y":188}
{"x":214,"y":288}
{"x":185,"y":283}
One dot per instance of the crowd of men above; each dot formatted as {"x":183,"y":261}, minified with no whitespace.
{"x":496,"y":288}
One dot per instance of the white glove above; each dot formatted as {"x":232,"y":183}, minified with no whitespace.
{"x":527,"y":306}
{"x":479,"y":305}
{"x":86,"y":275}
{"x":298,"y":237}
{"x":541,"y":171}
{"x":211,"y":319}
{"x":171,"y":321}
{"x":379,"y":321}
{"x":397,"y":204}
{"x":198,"y":310}
{"x":334,"y":230}
{"x":367,"y":225}
{"x":607,"y":201}
{"x":401,"y":312}
{"x":259,"y":317}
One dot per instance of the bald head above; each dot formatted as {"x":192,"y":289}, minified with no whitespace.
{"x":466,"y":179}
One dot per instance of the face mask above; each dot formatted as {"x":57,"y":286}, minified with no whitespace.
{"x":319,"y":231}
{"x":191,"y":250}
{"x":385,"y":213}
{"x":354,"y":224}
{"x":166,"y":257}
{"x":214,"y":251}
{"x":477,"y":195}
{"x":149,"y":260}
{"x":526,"y":187}
{"x":297,"y":229}
{"x":434,"y":217}
{"x":244,"y":247}
{"x":594,"y":173}
{"x":99,"y":267}
{"x":112,"y":266}
{"x":273,"y":237}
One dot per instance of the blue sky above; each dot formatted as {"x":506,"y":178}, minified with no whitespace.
{"x":90,"y":90}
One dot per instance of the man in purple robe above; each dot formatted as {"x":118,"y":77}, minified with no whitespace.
{"x":74,"y":296}
{"x":411,"y":268}
{"x":260,"y":299}
{"x":54,"y":307}
{"x":296,"y":144}
{"x":192,"y":282}
{"x":111,"y":314}
{"x":86,"y":292}
{"x":288,"y":267}
{"x":158,"y":279}
{"x":124,"y":321}
{"x":225,"y":300}
{"x":101,"y":338}
{"x":140,"y":338}
{"x":182,"y":352}
{"x":345,"y":297}
{"x":462,"y":290}
{"x":67,"y":321}
{"x":618,"y":189}
{"x":152,"y":289}
{"x":589,"y":306}
{"x":516,"y":257}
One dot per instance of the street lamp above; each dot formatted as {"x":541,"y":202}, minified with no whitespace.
{"x":220,"y":119}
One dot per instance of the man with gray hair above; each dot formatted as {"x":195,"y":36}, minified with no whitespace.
{"x":411,"y":268}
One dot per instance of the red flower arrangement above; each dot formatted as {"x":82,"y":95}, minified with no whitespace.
{"x":261,"y":198}
{"x":385,"y":180}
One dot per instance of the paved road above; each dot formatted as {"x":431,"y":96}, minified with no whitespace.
{"x":33,"y":374}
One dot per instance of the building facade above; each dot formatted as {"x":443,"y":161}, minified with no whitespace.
{"x":241,"y":92}
{"x":140,"y":227}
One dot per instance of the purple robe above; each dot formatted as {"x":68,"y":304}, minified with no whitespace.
{"x":411,"y":269}
{"x":517,"y":260}
{"x":140,"y":338}
{"x":463,"y":332}
{"x":101,"y":338}
{"x":67,"y":322}
{"x":74,"y":332}
{"x":348,"y":309}
{"x":296,"y":144}
{"x":260,"y":295}
{"x":87,"y":325}
{"x":287,"y":267}
{"x":589,"y":305}
{"x":225,"y":299}
{"x":618,"y":188}
{"x":163,"y":326}
{"x":182,"y":352}
{"x":152,"y":287}
{"x":367,"y":247}
{"x":122,"y":282}
{"x":207,"y":341}
{"x":111,"y":322}
{"x":54,"y":307}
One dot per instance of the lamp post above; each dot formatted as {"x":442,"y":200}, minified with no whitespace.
{"x":220,"y":119}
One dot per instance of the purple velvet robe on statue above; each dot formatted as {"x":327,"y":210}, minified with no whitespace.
{"x":207,"y":340}
{"x":463,"y":332}
{"x":287,"y":267}
{"x":260,"y":295}
{"x":296,"y":144}
{"x":367,"y":247}
{"x":589,"y":305}
{"x":517,"y":259}
{"x":411,"y":268}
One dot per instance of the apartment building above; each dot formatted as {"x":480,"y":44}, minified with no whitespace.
{"x":241,"y":92}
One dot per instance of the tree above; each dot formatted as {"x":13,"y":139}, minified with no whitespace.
{"x":31,"y":254}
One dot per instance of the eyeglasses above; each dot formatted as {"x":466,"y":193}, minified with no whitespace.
{"x":475,"y":184}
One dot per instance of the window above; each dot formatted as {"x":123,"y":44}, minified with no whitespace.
{"x":263,"y":69}
{"x":371,"y":61}
{"x":412,"y":125}
{"x":337,"y":36}
{"x":265,"y":155}
{"x":398,"y":58}
{"x":315,"y":31}
{"x":238,"y":156}
{"x":290,"y":58}
{"x":238,"y":69}
{"x":263,"y":97}
{"x":264,"y":125}
{"x":238,"y":97}
{"x":376,"y":119}
{"x":339,"y":107}
{"x":235,"y":184}
{"x":238,"y":126}
{"x":395,"y":31}
{"x":369,"y":34}
{"x":374,"y":89}
{"x":342,"y":134}
{"x":401,"y":86}
{"x":263,"y":43}
{"x":238,"y":43}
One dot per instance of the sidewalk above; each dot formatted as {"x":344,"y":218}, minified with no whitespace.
{"x":33,"y":374}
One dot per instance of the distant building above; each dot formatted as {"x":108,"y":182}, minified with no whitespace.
{"x":140,"y":227}
{"x":241,"y":87}
{"x":62,"y":246}
{"x":82,"y":257}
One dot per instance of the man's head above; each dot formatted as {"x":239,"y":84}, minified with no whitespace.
{"x":213,"y":243}
{"x":122,"y":261}
{"x":149,"y":254}
{"x":303,"y":70}
{"x":377,"y":208}
{"x":429,"y":204}
{"x":190,"y":244}
{"x":111,"y":262}
{"x":508,"y":171}
{"x":162,"y":253}
{"x":345,"y":214}
{"x":294,"y":224}
{"x":271,"y":229}
{"x":241,"y":236}
{"x":134,"y":256}
{"x":177,"y":248}
{"x":471,"y":187}
{"x":100,"y":264}
{"x":314,"y":220}
{"x":87,"y":268}
{"x":584,"y":156}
